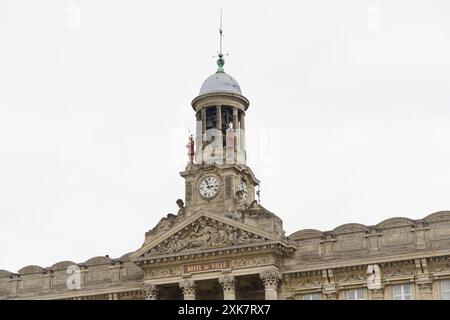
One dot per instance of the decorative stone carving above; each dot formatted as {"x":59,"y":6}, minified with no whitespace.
{"x":425,"y":290}
{"x":377,"y":294}
{"x":441,"y":264}
{"x":150,"y":292}
{"x":204,"y":233}
{"x":227,"y":282}
{"x":352,"y":277}
{"x":309,"y":283}
{"x":163,"y":225}
{"x":399,"y":269}
{"x":253,"y":261}
{"x":309,"y":279}
{"x":163,"y":272}
{"x":427,"y":286}
{"x":271,"y":279}
{"x":333,"y":295}
{"x":188,"y":288}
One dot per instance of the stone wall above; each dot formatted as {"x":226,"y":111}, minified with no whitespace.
{"x":393,"y":236}
{"x":328,"y":264}
{"x":97,"y":278}
{"x":403,"y":251}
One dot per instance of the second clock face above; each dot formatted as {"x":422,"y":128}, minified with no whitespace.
{"x":209,"y":186}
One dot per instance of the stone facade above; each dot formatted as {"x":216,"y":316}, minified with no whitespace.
{"x":326,"y":265}
{"x":223,"y":244}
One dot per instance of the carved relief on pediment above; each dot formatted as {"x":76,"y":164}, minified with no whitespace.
{"x":204,"y":233}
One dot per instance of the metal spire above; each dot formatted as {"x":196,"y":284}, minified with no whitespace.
{"x":220,"y":61}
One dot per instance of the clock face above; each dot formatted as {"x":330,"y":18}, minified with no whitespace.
{"x":243,"y":187}
{"x":209,"y":187}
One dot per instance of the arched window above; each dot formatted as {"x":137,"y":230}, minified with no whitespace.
{"x":227,"y":118}
{"x":211,"y":117}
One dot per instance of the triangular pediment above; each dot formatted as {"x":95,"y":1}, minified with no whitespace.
{"x":203,"y":231}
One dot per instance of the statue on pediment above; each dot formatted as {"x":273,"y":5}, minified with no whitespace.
{"x":181,"y":210}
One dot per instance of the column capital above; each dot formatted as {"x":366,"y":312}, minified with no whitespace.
{"x":150,"y":291}
{"x":227,"y":282}
{"x":271,"y":278}
{"x":188,"y":288}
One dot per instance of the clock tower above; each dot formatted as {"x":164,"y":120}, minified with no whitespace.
{"x":217,"y":178}
{"x":218,"y":174}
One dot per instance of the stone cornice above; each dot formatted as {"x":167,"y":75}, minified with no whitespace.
{"x":81,"y":293}
{"x":263,"y":247}
{"x":218,"y":98}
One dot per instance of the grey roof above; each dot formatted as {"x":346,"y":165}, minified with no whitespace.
{"x":220,"y":82}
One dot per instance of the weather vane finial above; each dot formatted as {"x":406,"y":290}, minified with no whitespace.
{"x":220,"y":61}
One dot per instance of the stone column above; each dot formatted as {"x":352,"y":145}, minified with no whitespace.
{"x":188,"y":288}
{"x":198,"y":137}
{"x":271,"y":279}
{"x":219,"y":128}
{"x":150,"y":292}
{"x":228,"y":284}
{"x":219,"y":118}
{"x":235,"y":128}
{"x":203,"y":116}
{"x":425,"y":290}
{"x":242,"y":130}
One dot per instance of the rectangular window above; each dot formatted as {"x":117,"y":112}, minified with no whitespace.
{"x":356,"y":294}
{"x":445,"y":286}
{"x":312,"y":296}
{"x":403,"y":291}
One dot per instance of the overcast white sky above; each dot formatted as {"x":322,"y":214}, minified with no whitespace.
{"x":349,"y":118}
